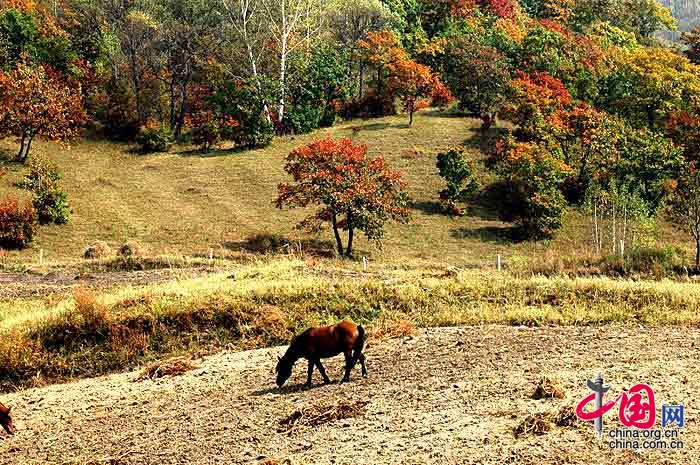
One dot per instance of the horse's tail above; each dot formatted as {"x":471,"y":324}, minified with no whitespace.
{"x":361,"y":338}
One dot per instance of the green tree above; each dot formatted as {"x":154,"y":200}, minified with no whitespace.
{"x":458,"y":173}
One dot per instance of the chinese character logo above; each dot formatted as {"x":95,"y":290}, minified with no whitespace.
{"x":672,"y":414}
{"x":636,"y":407}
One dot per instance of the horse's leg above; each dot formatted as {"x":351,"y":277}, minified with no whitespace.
{"x":361,"y":357}
{"x":322,"y":370}
{"x":348,"y":366}
{"x":309,"y":373}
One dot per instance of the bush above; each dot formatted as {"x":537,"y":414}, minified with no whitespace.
{"x":154,"y":138}
{"x":656,"y":261}
{"x":458,"y":172}
{"x":371,"y":105}
{"x":98,"y":249}
{"x":17,"y":224}
{"x":131,"y":249}
{"x":48,"y":198}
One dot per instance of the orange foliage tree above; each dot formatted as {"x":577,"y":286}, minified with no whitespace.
{"x":38,"y":103}
{"x":397,"y":75}
{"x":353,"y":192}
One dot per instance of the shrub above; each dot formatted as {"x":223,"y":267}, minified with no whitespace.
{"x":656,"y":261}
{"x":371,"y":105}
{"x":98,"y":249}
{"x":154,"y":138}
{"x":264,"y":242}
{"x":131,"y":249}
{"x":458,"y":172}
{"x":48,"y":198}
{"x":17,"y":224}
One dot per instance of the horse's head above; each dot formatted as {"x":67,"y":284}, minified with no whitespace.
{"x":284,"y":370}
{"x":6,"y":419}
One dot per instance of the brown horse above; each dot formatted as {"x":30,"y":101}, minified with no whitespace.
{"x":6,"y":419}
{"x":324,"y":342}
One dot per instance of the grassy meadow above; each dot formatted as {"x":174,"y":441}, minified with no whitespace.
{"x":184,"y":202}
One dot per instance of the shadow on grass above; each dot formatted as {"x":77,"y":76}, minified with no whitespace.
{"x":485,"y":140}
{"x":369,"y":127}
{"x":265,"y":243}
{"x":491,"y":234}
{"x":430,"y":207}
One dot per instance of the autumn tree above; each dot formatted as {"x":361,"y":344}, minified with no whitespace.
{"x":39,"y":103}
{"x":479,"y":77}
{"x":533,"y":177}
{"x":412,"y":81}
{"x":353,"y":191}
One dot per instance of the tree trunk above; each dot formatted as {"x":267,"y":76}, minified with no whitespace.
{"x":24,"y":147}
{"x":338,"y":240}
{"x":348,"y":251}
{"x":410,"y":116}
{"x":697,"y":253}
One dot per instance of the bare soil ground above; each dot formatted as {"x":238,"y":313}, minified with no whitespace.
{"x":447,"y":396}
{"x":26,"y":285}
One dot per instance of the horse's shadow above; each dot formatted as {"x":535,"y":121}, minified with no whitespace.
{"x":290,"y":388}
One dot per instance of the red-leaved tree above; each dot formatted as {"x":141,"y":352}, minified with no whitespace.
{"x":38,"y":103}
{"x":353,"y":192}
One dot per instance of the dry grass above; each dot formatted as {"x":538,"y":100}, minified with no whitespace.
{"x":566,"y":417}
{"x":268,"y":301}
{"x":537,"y":424}
{"x":548,"y":388}
{"x":317,"y":415}
{"x":167,"y":368}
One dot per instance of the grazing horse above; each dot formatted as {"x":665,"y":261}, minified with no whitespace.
{"x":324,"y":342}
{"x":6,"y":419}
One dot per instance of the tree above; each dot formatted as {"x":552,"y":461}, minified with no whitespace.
{"x":411,"y":81}
{"x":458,"y":172}
{"x":39,"y":103}
{"x":533,"y":176}
{"x":684,"y":208}
{"x":293,"y":23}
{"x":649,"y":84}
{"x":353,"y":192}
{"x":479,"y":77}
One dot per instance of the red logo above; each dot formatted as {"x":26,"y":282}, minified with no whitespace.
{"x":636,"y":406}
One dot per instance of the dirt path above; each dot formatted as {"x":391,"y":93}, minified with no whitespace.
{"x":444,"y":396}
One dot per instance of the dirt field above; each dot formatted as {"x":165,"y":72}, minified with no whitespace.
{"x":447,"y":396}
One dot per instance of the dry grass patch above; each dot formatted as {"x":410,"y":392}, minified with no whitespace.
{"x":537,"y":424}
{"x":317,"y":415}
{"x":167,"y":368}
{"x":548,"y":388}
{"x":388,"y":328}
{"x":566,"y":417}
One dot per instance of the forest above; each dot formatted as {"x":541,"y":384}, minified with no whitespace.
{"x":581,"y":104}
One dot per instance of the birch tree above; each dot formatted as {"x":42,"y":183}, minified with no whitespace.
{"x":293,"y":23}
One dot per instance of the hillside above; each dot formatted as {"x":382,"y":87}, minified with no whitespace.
{"x":184,"y":203}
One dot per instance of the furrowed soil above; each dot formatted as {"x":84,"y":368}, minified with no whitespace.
{"x":443,"y":396}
